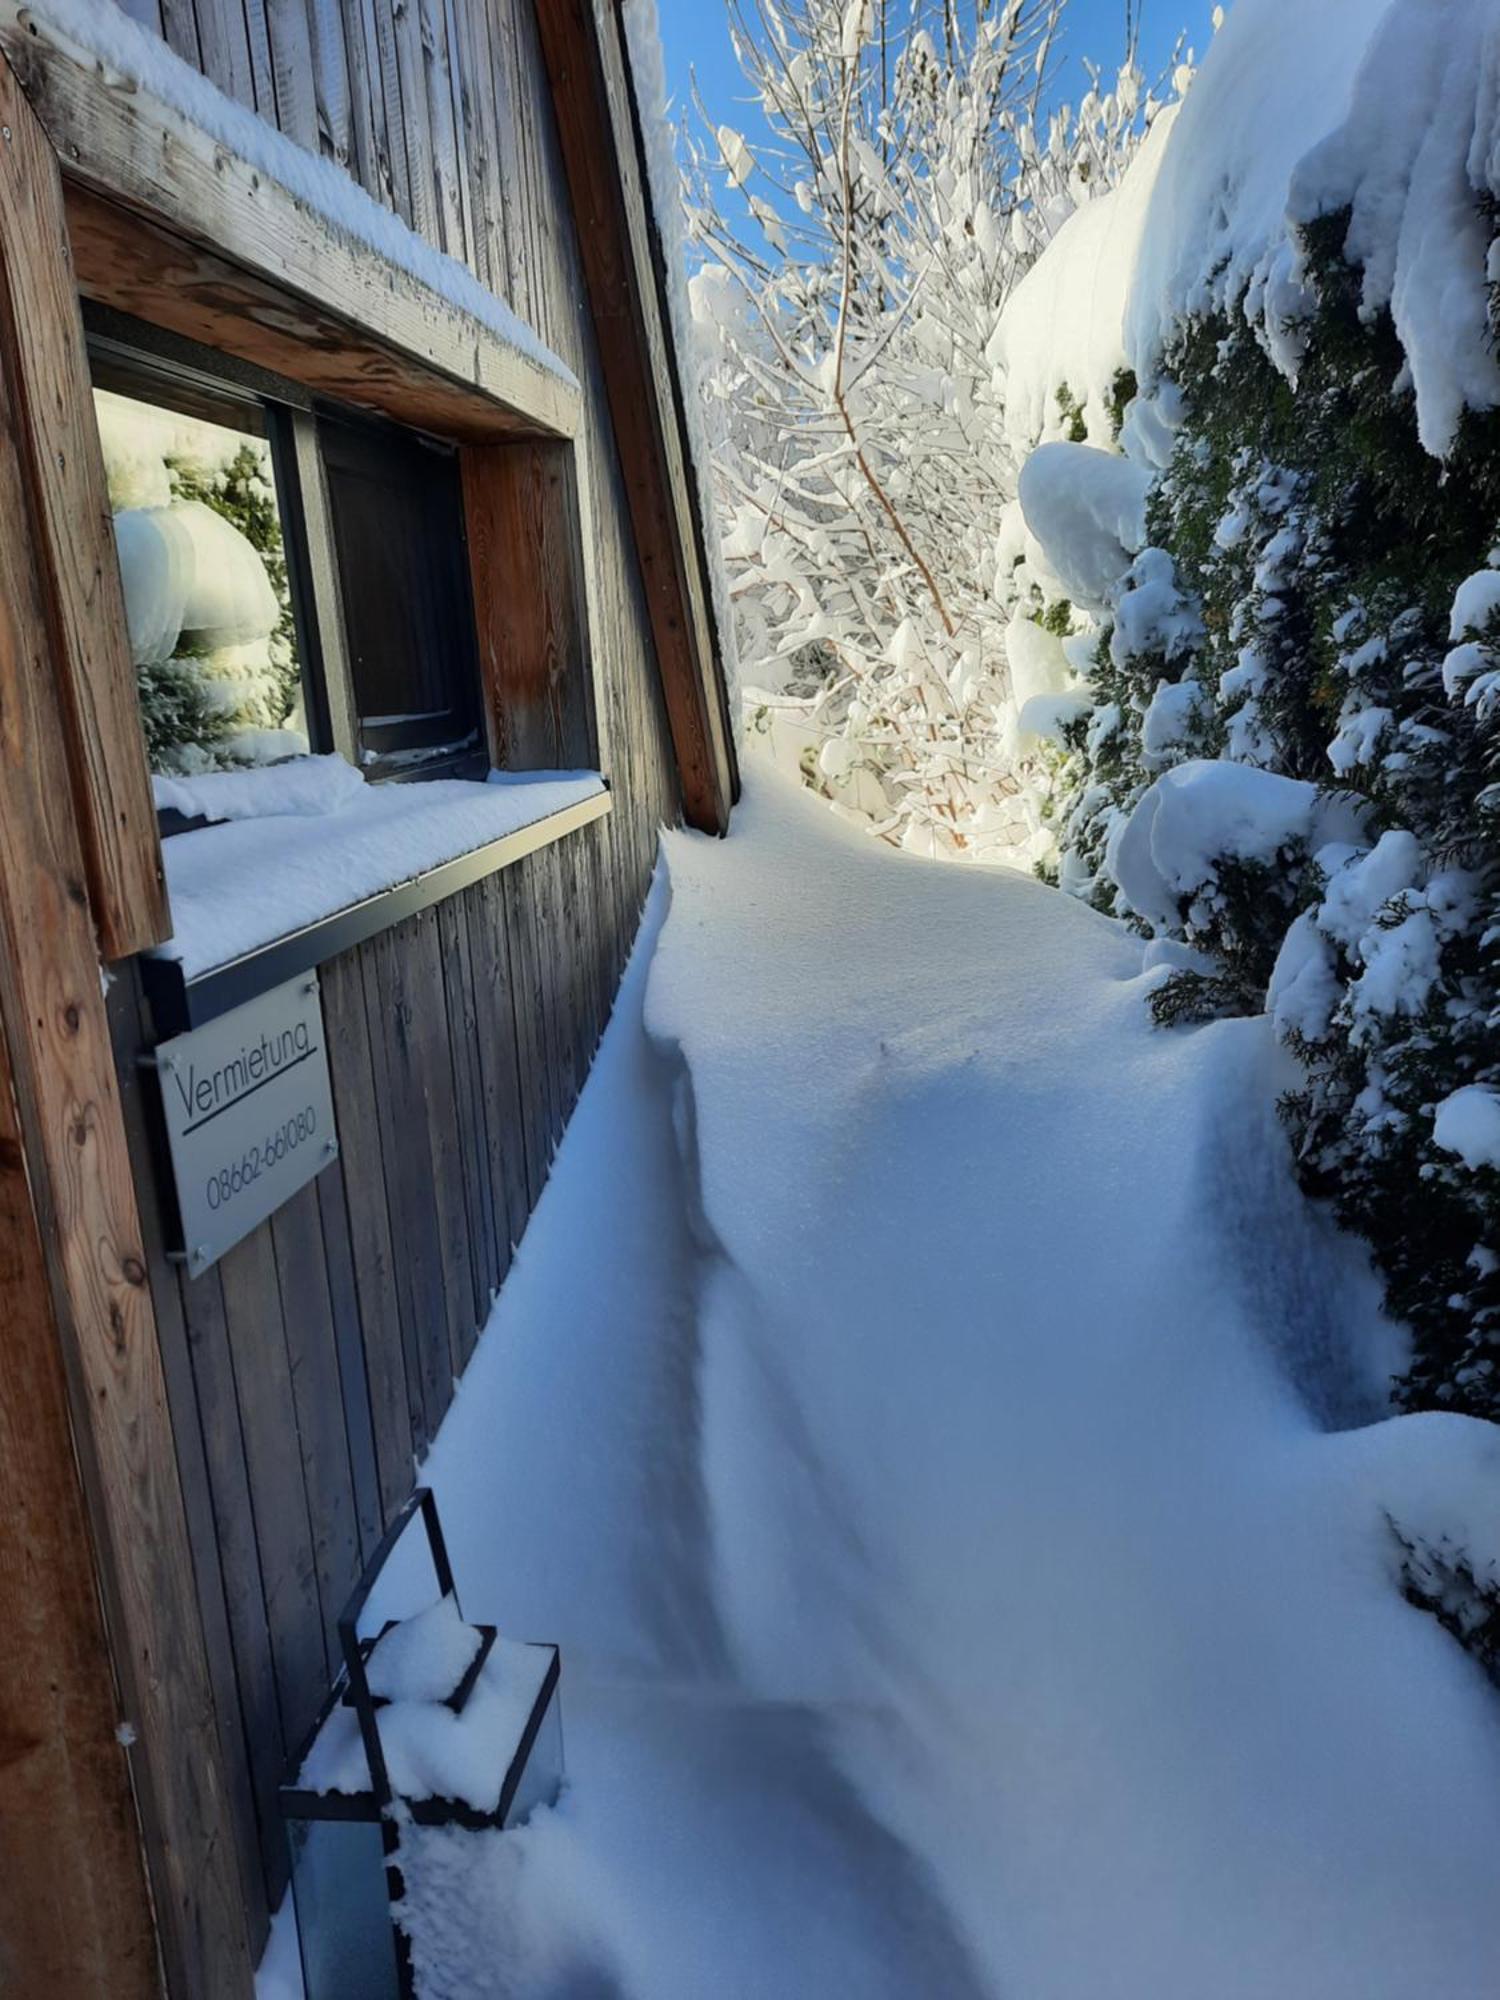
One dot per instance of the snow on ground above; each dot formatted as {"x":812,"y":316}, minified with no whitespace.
{"x":929,"y":1420}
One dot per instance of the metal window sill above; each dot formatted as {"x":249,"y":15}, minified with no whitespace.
{"x":178,"y":1003}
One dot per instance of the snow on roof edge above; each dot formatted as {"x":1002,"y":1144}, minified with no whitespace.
{"x":145,"y":60}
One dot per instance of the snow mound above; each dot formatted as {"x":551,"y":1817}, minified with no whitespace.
{"x":1305,"y":987}
{"x":156,"y":562}
{"x":430,"y":1752}
{"x":1206,"y":811}
{"x":1414,"y":160}
{"x":955,"y":1597}
{"x":423,"y":1658}
{"x":1387,"y":109}
{"x":300,"y":786}
{"x":1064,"y":325}
{"x":1468,"y":1124}
{"x":1086,"y":509}
{"x":1275,"y":80}
{"x":228,"y":599}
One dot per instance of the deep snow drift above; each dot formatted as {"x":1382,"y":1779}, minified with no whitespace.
{"x":910,"y":1410}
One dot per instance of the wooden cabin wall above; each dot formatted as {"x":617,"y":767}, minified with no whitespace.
{"x":309,"y":1369}
{"x":441,"y":110}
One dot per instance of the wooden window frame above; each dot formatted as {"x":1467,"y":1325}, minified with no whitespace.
{"x":522,"y":462}
{"x":286,"y":292}
{"x":140,"y":360}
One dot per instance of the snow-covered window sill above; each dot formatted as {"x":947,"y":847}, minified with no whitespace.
{"x":306,"y":861}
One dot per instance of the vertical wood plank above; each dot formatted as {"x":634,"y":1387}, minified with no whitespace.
{"x":292,"y":71}
{"x":41,"y":333}
{"x":443,"y":129}
{"x":555,"y":940}
{"x":512,"y":190}
{"x":179,"y":29}
{"x":410,"y":1178}
{"x":499,"y":1062}
{"x":381,"y":39}
{"x":372,"y":160}
{"x":456,"y":42}
{"x":213,"y":1536}
{"x":537,"y":214}
{"x":75,"y":1914}
{"x":464,"y":1031}
{"x":262,"y":68}
{"x":224,"y":39}
{"x":318,"y":1404}
{"x":533,"y":1056}
{"x":430,"y":1031}
{"x":583,"y":891}
{"x":331,"y":86}
{"x":354,"y":1382}
{"x":273,"y":1460}
{"x":479,"y":137}
{"x":355,"y":1094}
{"x":520,"y":521}
{"x":416,"y":122}
{"x":257,"y":1693}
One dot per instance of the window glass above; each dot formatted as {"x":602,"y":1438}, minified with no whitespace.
{"x":397,"y":517}
{"x":203,"y":562}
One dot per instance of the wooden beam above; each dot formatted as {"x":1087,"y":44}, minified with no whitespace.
{"x":42,"y":335}
{"x":125,"y":260}
{"x":78,"y":1170}
{"x":294,"y":274}
{"x":580,"y":44}
{"x":75,"y":1915}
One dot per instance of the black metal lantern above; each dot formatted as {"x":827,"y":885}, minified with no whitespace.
{"x":361,"y":1767}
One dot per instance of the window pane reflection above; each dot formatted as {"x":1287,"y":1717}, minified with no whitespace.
{"x":206,"y":592}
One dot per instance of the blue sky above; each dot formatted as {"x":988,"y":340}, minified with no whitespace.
{"x":696,"y":38}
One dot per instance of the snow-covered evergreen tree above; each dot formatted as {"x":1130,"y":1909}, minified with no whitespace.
{"x":1286,"y":768}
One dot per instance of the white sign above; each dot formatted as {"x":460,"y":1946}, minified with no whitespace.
{"x":249,"y":1115}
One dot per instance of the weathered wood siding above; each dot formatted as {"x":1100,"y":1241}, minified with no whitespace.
{"x":310,"y":1368}
{"x":441,"y":110}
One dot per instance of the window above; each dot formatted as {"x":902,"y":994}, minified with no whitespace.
{"x":295,"y":576}
{"x":397,"y":515}
{"x":198,"y":523}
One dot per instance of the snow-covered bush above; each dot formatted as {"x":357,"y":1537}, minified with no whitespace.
{"x":1288,"y":760}
{"x":854,"y":268}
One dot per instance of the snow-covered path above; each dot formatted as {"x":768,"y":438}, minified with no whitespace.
{"x":905,"y":1411}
